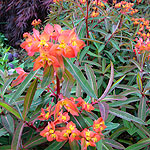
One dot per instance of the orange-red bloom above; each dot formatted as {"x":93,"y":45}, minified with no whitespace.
{"x":69,"y":106}
{"x":99,"y":125}
{"x":89,"y":138}
{"x":50,"y":133}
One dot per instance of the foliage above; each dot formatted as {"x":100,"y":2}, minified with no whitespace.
{"x":89,"y":85}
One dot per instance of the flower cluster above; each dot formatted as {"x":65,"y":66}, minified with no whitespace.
{"x":52,"y":44}
{"x":142,"y":43}
{"x":137,"y":1}
{"x":126,"y":7}
{"x":36,"y":22}
{"x":61,"y":128}
{"x":100,"y":3}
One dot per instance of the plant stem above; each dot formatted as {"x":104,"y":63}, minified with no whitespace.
{"x":58,"y":88}
{"x":86,"y":21}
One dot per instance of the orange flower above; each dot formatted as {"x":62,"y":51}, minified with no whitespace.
{"x":87,"y":107}
{"x":99,"y":125}
{"x":62,"y":118}
{"x":89,"y":138}
{"x":71,"y":133}
{"x":94,"y":14}
{"x":36,"y":22}
{"x":69,"y":43}
{"x":50,"y":133}
{"x":69,"y":106}
{"x":45,"y":113}
{"x":20,"y":78}
{"x":83,"y":2}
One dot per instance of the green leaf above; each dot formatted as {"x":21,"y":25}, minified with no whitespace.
{"x":23,"y":86}
{"x":8,"y":123}
{"x":36,"y":140}
{"x":120,"y":103}
{"x":111,"y":125}
{"x":55,"y":145}
{"x":115,"y":44}
{"x":15,"y":145}
{"x":3,"y":131}
{"x":78,"y":75}
{"x":136,"y":64}
{"x":83,"y":52}
{"x":125,"y":115}
{"x":74,"y":145}
{"x":91,"y":78}
{"x":142,"y":108}
{"x":91,"y":36}
{"x":67,"y":83}
{"x":114,"y":144}
{"x":118,"y":132}
{"x":5,"y":86}
{"x":116,"y":83}
{"x":6,"y":147}
{"x":99,"y":145}
{"x":137,"y":146}
{"x":139,"y":82}
{"x":143,"y":129}
{"x":29,"y":97}
{"x":47,"y":76}
{"x":95,"y":41}
{"x":104,"y":109}
{"x":109,"y":83}
{"x":101,"y":48}
{"x":115,"y":97}
{"x":10,"y":109}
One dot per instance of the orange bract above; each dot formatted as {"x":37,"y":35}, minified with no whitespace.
{"x":20,"y":78}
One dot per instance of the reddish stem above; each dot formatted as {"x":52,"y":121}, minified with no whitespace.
{"x":58,"y":88}
{"x":86,"y":21}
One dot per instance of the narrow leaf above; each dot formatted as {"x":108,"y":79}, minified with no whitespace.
{"x":78,"y":75}
{"x":114,"y":144}
{"x":10,"y":109}
{"x":136,"y":64}
{"x":8,"y":123}
{"x":104,"y":110}
{"x":55,"y":145}
{"x":139,"y":82}
{"x":15,"y":145}
{"x":47,"y":76}
{"x":116,"y":83}
{"x":91,"y":78}
{"x":109,"y":83}
{"x":5,"y":86}
{"x":23,"y":86}
{"x":115,"y":97}
{"x":29,"y":97}
{"x":36,"y":140}
{"x":125,"y":115}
